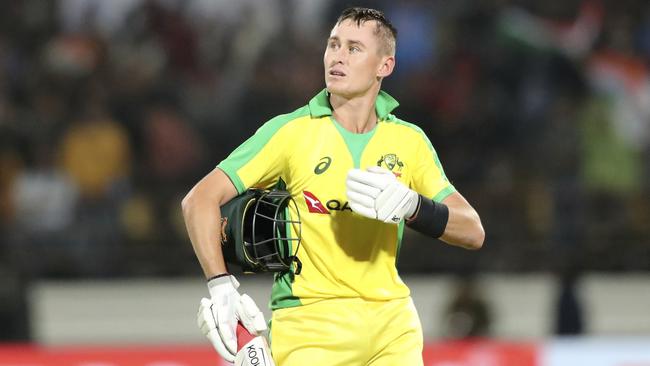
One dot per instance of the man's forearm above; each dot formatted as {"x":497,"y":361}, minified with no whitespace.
{"x":201,"y":210}
{"x":453,"y":221}
{"x":464,"y":228}
{"x":202,"y":222}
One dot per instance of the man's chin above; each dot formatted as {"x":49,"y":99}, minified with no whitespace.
{"x":337,"y":89}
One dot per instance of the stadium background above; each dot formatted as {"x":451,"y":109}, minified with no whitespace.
{"x":111,"y":110}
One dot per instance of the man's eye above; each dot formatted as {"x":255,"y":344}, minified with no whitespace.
{"x":354,"y":49}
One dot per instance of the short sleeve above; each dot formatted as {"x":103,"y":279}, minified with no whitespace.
{"x":260,"y":160}
{"x":429,"y":177}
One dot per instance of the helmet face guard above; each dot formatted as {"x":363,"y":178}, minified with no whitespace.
{"x":256,"y":231}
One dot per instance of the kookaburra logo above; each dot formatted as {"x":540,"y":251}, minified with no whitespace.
{"x":253,"y":358}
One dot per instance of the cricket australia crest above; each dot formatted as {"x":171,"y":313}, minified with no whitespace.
{"x":390,"y":162}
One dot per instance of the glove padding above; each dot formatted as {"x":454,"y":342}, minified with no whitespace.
{"x":218,"y":316}
{"x":376,"y":193}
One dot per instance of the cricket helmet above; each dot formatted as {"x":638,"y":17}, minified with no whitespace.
{"x":256,"y":231}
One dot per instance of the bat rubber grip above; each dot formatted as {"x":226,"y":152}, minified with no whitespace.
{"x":243,"y":336}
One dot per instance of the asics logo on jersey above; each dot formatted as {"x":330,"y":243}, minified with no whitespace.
{"x":323,"y":165}
{"x":314,"y":205}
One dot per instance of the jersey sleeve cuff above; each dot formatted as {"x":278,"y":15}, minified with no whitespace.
{"x":444,"y":193}
{"x":232,"y":175}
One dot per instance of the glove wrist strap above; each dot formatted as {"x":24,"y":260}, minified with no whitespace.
{"x":217,"y":284}
{"x":412,"y":213}
{"x":218,"y":276}
{"x":430,"y":217}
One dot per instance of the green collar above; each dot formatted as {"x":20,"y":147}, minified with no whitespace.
{"x":319,"y":105}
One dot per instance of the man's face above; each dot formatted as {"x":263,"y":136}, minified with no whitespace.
{"x":352,"y":58}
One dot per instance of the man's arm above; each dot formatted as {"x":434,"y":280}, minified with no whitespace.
{"x":201,"y":210}
{"x":218,"y":316}
{"x":464,"y":228}
{"x":377,"y":194}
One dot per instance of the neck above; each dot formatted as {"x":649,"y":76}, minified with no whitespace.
{"x":356,"y":114}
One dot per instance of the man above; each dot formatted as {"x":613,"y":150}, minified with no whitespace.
{"x":358,"y":174}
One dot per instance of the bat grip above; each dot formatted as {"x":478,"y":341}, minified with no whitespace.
{"x":243,"y":336}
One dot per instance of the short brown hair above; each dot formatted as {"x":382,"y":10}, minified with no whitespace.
{"x":386,"y":32}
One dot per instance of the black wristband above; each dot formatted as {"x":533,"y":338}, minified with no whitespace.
{"x":218,"y":276}
{"x":430,"y":218}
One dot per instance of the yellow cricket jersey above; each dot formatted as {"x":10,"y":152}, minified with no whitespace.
{"x":344,"y":254}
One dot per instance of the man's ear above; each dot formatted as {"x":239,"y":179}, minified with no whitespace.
{"x":386,"y":67}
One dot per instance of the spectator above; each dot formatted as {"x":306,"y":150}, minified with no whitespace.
{"x":468,"y":314}
{"x":569,"y":318}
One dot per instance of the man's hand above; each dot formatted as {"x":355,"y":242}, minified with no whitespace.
{"x":218,"y":316}
{"x":377,"y":194}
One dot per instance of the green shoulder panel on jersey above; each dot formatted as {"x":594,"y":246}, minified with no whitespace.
{"x":251,"y":147}
{"x":445,"y":192}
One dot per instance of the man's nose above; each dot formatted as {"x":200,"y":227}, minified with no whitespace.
{"x":338,"y":56}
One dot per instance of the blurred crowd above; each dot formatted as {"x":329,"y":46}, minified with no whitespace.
{"x":111,"y":110}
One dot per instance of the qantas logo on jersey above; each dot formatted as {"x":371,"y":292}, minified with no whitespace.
{"x":314,"y":205}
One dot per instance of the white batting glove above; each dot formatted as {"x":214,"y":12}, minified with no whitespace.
{"x":218,"y":316}
{"x":376,"y":193}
